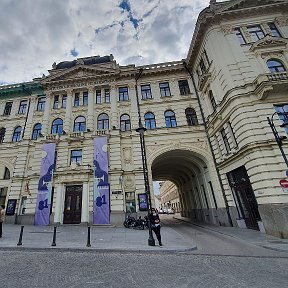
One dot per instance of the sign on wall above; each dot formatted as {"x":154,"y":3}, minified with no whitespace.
{"x":43,"y":206}
{"x":11,"y":206}
{"x":101,"y":199}
{"x":142,"y":202}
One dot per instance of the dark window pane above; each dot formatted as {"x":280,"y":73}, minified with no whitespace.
{"x":85,"y":98}
{"x":146,"y":92}
{"x":123,"y":94}
{"x":183,"y":87}
{"x":22,"y":107}
{"x":8,"y":107}
{"x":56,"y":102}
{"x":164,"y":89}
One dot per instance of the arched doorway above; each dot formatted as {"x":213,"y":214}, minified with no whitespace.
{"x":193,"y":174}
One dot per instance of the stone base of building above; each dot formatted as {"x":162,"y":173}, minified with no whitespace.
{"x":212,"y":216}
{"x":275,"y":219}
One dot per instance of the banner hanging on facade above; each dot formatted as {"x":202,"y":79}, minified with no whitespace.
{"x":101,"y":199}
{"x":43,"y":206}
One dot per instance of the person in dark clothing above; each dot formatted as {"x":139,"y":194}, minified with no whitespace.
{"x":155,"y":225}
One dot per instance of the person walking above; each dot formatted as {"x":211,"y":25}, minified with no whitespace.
{"x":2,"y":216}
{"x":155,"y":224}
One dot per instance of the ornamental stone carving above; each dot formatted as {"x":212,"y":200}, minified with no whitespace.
{"x":282,"y":21}
{"x":127,"y":155}
{"x":227,"y":29}
{"x":128,"y":181}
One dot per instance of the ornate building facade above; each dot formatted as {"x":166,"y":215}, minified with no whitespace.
{"x":206,"y":120}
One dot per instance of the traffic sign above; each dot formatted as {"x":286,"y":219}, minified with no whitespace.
{"x":284,"y":183}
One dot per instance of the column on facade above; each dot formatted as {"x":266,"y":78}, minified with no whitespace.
{"x":68,"y":112}
{"x":90,"y":115}
{"x":46,"y":116}
{"x":58,"y":204}
{"x":113,"y":98}
{"x":85,"y":204}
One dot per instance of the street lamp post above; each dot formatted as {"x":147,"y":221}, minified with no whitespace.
{"x":141,"y":129}
{"x":279,"y":139}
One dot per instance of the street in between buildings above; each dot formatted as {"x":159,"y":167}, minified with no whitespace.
{"x":192,"y":256}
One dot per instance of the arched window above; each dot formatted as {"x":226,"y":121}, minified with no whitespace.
{"x":170,"y":119}
{"x":191,"y":117}
{"x":36,"y":131}
{"x":275,"y":66}
{"x":6,"y":174}
{"x":103,"y":122}
{"x":57,"y":126}
{"x":2,"y":134}
{"x":150,"y":122}
{"x":125,"y":124}
{"x":79,"y":124}
{"x":17,"y":134}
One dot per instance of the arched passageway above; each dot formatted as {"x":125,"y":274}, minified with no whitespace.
{"x":199,"y":194}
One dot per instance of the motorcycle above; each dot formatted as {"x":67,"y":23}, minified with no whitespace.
{"x":131,"y":222}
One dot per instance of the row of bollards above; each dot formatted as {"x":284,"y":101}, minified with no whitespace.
{"x":54,"y":237}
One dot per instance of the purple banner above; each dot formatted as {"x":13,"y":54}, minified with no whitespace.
{"x":101,"y":199}
{"x":43,"y":207}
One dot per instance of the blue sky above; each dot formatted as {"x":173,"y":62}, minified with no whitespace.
{"x":34,"y":34}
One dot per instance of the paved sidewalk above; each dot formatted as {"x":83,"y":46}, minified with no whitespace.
{"x":248,"y":235}
{"x":102,"y":238}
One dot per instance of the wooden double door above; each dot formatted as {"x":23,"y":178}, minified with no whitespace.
{"x":73,"y":204}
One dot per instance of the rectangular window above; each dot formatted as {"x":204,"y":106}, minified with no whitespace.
{"x":212,"y":100}
{"x":98,"y":96}
{"x":3,"y":193}
{"x":146,"y":92}
{"x":56,"y":102}
{"x":225,"y":140}
{"x":183,"y":87}
{"x":64,"y":101}
{"x":282,"y":111}
{"x":7,"y":109}
{"x":77,"y":100}
{"x":85,"y":98}
{"x":164,"y":89}
{"x":240,"y":36}
{"x":275,"y":32}
{"x":256,"y":32}
{"x":76,"y":156}
{"x":22,"y":107}
{"x":107,"y":95}
{"x":231,"y":131}
{"x":123,"y":94}
{"x":41,"y":104}
{"x":202,"y":66}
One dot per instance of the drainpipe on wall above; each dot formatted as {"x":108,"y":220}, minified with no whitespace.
{"x":28,"y":108}
{"x":210,"y":145}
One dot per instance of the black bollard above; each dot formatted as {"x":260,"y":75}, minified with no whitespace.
{"x":54,"y":237}
{"x":20,"y":237}
{"x":88,"y":238}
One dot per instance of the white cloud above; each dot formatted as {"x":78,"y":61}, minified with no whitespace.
{"x":34,"y":34}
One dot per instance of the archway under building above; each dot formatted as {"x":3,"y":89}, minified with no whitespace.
{"x":199,"y":193}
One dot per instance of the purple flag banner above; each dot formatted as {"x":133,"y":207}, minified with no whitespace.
{"x":101,"y":199}
{"x":43,"y":207}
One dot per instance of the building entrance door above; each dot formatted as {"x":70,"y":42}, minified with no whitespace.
{"x":245,"y":198}
{"x":73,"y":204}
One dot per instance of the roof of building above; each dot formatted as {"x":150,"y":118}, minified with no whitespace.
{"x":85,"y":61}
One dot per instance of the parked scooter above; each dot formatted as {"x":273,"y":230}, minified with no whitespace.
{"x":131,"y":222}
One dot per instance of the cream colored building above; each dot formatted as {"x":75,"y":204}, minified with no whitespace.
{"x":239,"y":72}
{"x":169,"y":196}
